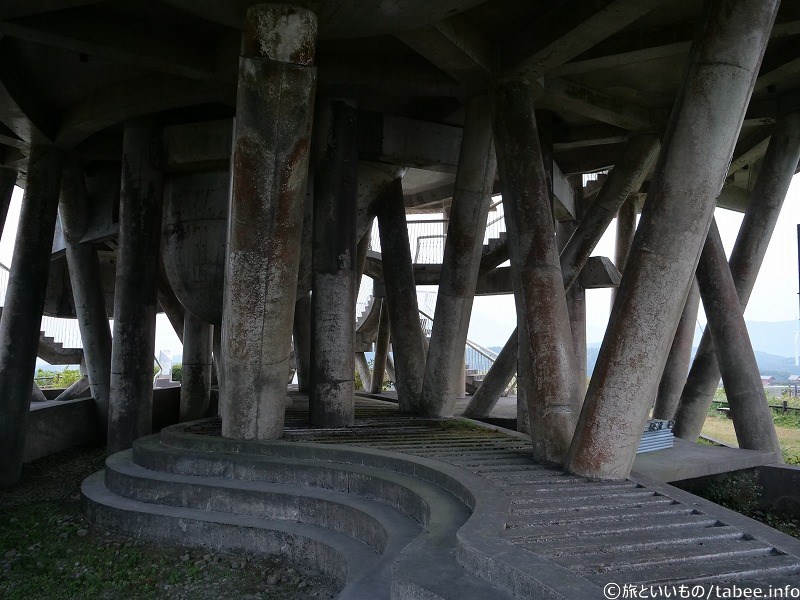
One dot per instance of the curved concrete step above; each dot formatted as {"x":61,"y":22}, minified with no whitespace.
{"x":384,"y":529}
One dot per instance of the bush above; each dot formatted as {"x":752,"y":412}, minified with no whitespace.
{"x":56,"y":380}
{"x":177,"y":372}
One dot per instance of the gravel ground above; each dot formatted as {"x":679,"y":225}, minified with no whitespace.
{"x":48,"y":550}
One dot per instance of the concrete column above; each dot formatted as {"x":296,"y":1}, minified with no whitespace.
{"x":408,"y":343}
{"x":363,"y":371}
{"x":752,"y":417}
{"x":169,"y":302}
{"x":626,"y":229}
{"x":674,"y":377}
{"x":766,"y":200}
{"x":624,"y":179}
{"x":361,"y":256}
{"x":692,"y":167}
{"x":576,"y":307}
{"x":333,"y":298}
{"x":8,"y":178}
{"x":546,"y":373}
{"x":460,"y":263}
{"x":274,"y":113}
{"x":136,"y":286}
{"x":390,"y":370}
{"x":198,"y":337}
{"x":24,"y":303}
{"x":87,"y":292}
{"x":490,"y":390}
{"x":381,"y":350}
{"x":301,"y":333}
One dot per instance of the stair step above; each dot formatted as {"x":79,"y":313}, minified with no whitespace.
{"x":600,"y":516}
{"x":529,"y":535}
{"x":630,"y":560}
{"x":703,"y":571}
{"x":608,"y":543}
{"x":579,"y":507}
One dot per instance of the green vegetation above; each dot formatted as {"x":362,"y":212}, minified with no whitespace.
{"x":359,"y":385}
{"x":56,"y":379}
{"x":741,"y":492}
{"x":177,"y":372}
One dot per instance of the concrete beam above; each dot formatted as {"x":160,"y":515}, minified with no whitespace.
{"x":454,"y":46}
{"x":567,"y":32}
{"x":22,"y":109}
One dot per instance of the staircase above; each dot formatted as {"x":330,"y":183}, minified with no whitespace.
{"x":408,"y":508}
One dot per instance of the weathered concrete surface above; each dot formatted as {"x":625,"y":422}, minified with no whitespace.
{"x":362,"y":366}
{"x":504,"y":367}
{"x":381,"y":350}
{"x":301,"y":334}
{"x":333,"y":297}
{"x":626,"y":229}
{"x":169,"y":302}
{"x":271,"y":145}
{"x":680,"y":355}
{"x":408,"y":343}
{"x":623,"y":180}
{"x":8,"y":178}
{"x":55,"y":426}
{"x":692,"y":166}
{"x":546,"y":375}
{"x":461,"y":262}
{"x":195,"y":223}
{"x":136,"y":297}
{"x":576,"y":307}
{"x":196,"y":370}
{"x":24,"y":302}
{"x":752,"y":417}
{"x":77,"y":390}
{"x":87,"y":292}
{"x":769,"y":192}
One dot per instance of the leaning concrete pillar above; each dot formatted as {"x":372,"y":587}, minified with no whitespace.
{"x":461,"y":262}
{"x":576,"y":307}
{"x":274,"y":109}
{"x":624,"y":179}
{"x":408,"y":343}
{"x":504,"y":367}
{"x":169,"y":302}
{"x":752,"y":417}
{"x":8,"y":179}
{"x":24,"y":303}
{"x":546,"y":363}
{"x":680,"y":354}
{"x":772,"y":184}
{"x":333,"y":298}
{"x":626,"y":229}
{"x":363,"y":371}
{"x":195,"y":399}
{"x":87,"y":292}
{"x":381,"y":350}
{"x":301,"y":333}
{"x":697,"y":149}
{"x":136,"y":287}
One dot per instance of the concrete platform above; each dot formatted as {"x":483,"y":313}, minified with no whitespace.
{"x":413,"y":508}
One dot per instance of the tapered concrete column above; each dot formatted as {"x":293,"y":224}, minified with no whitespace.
{"x":772,"y":184}
{"x":674,"y":377}
{"x":624,"y":179}
{"x":274,"y":113}
{"x":752,"y":417}
{"x":198,"y":337}
{"x":381,"y":350}
{"x":626,"y":229}
{"x":546,"y":364}
{"x":301,"y":332}
{"x":490,"y":390}
{"x":363,"y":371}
{"x":333,"y":299}
{"x":8,"y":178}
{"x":408,"y":343}
{"x":697,"y":149}
{"x":87,"y":292}
{"x":576,"y":307}
{"x":136,"y":286}
{"x":24,"y":303}
{"x":390,"y":370}
{"x":461,"y":262}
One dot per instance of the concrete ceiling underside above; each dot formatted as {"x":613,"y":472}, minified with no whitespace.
{"x":73,"y":71}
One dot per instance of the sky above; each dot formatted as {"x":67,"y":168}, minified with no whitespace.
{"x":774,"y":298}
